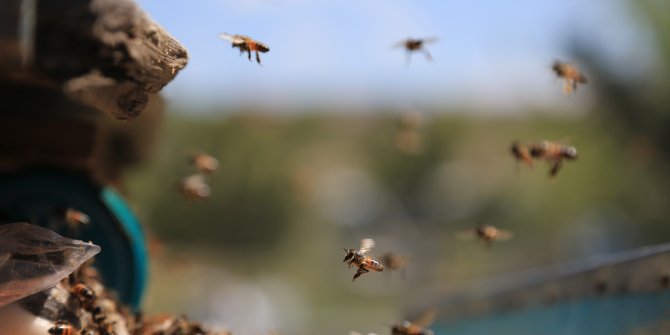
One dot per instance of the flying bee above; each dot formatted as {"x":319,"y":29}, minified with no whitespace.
{"x":394,"y":262}
{"x":71,"y":218}
{"x":571,"y":76}
{"x":204,"y":163}
{"x":359,"y":259}
{"x":63,"y":328}
{"x":417,"y":327}
{"x":415,"y":45}
{"x":246,"y":43}
{"x":522,"y":154}
{"x":76,"y":218}
{"x":554,"y":153}
{"x":486,"y":233}
{"x":194,"y":187}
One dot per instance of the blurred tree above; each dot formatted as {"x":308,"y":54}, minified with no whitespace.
{"x":635,"y":111}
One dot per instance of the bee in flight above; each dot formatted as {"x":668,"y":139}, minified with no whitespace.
{"x":71,"y":218}
{"x":246,"y":43}
{"x":571,"y":76}
{"x":486,"y":233}
{"x":417,"y":327}
{"x":393,"y":261}
{"x":203,"y":162}
{"x":414,"y":45}
{"x":359,"y":259}
{"x":194,"y":187}
{"x":554,"y":153}
{"x":522,"y":154}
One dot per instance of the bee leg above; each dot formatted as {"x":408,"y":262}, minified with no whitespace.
{"x":555,"y":167}
{"x":258,"y":58}
{"x":359,"y":273}
{"x":428,"y":56}
{"x":567,"y":87}
{"x":249,"y":55}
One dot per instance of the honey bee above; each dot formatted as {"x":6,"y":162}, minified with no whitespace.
{"x":63,"y":328}
{"x":571,"y":76}
{"x":204,"y":163}
{"x":71,"y":218}
{"x":84,"y":296}
{"x":246,"y":43}
{"x":194,"y":187}
{"x":522,"y":154}
{"x":75,"y":217}
{"x":414,"y":45}
{"x":394,"y":262}
{"x":554,"y":153}
{"x":98,"y":314}
{"x":359,"y":259}
{"x":486,"y":233}
{"x":418,"y":327}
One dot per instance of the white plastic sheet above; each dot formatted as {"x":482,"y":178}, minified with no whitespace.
{"x":33,"y":259}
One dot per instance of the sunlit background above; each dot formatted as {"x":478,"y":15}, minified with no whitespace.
{"x":335,"y":139}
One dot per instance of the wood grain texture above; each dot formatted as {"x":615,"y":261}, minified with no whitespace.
{"x":107,"y":54}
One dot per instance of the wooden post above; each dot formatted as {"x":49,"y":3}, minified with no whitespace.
{"x":107,"y":54}
{"x":62,"y":62}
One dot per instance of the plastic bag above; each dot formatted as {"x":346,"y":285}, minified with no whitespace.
{"x":33,"y":259}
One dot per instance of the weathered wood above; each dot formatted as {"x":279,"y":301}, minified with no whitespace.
{"x":105,"y":53}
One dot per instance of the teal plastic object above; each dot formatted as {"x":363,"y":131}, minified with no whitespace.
{"x":34,"y":197}
{"x":621,"y":293}
{"x":133,"y":230}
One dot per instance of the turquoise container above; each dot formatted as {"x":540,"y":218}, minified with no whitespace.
{"x":34,"y":197}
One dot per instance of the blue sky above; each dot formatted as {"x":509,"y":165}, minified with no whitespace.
{"x":490,"y":53}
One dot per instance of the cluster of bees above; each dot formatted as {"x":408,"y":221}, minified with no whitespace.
{"x":90,"y":309}
{"x":194,"y":186}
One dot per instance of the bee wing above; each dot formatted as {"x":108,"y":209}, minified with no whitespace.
{"x":366,"y":245}
{"x":555,"y":167}
{"x":504,"y":235}
{"x":467,"y":234}
{"x":194,"y":179}
{"x":34,"y":259}
{"x":565,"y":140}
{"x":235,"y":39}
{"x":430,"y":40}
{"x":400,"y":44}
{"x":426,"y":318}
